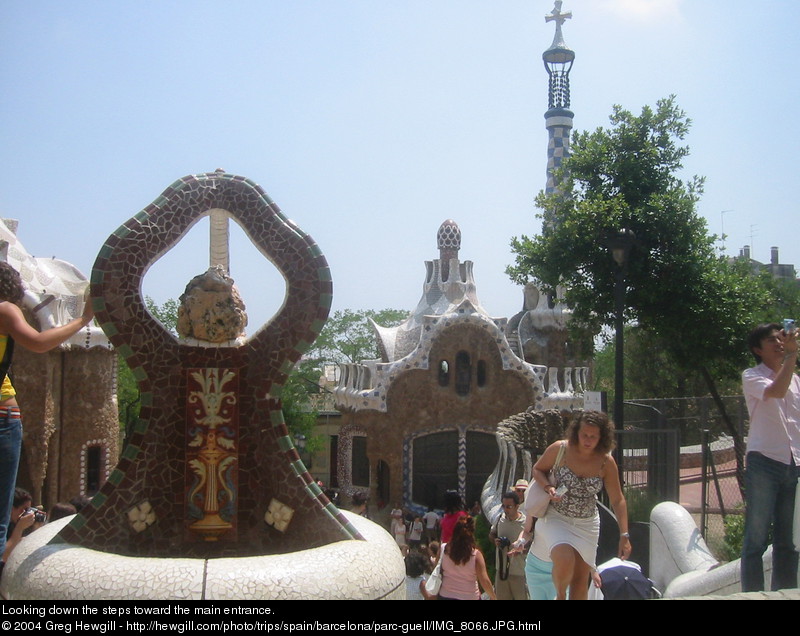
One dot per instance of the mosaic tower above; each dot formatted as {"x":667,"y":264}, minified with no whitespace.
{"x":558,"y":118}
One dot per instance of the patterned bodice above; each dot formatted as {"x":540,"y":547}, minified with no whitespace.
{"x":580,"y":500}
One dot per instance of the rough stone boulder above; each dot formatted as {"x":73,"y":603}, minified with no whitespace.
{"x":211,"y":308}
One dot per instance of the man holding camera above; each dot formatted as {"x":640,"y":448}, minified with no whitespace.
{"x":772,"y":392}
{"x":23,"y":518}
{"x":509,"y":581}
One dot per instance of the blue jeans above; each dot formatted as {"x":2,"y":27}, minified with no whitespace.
{"x":10,"y":447}
{"x":769,"y":491}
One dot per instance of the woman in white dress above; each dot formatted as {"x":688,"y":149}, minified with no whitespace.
{"x":571,"y":527}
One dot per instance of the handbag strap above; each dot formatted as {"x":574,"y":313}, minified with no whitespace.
{"x":562,"y":449}
{"x":560,"y":457}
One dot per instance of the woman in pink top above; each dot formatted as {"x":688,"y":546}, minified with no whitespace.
{"x":463,"y":566}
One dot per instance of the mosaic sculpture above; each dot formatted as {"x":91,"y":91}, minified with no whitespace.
{"x":521,"y":438}
{"x":211,"y":469}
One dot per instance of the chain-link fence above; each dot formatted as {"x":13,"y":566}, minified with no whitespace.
{"x":680,"y":449}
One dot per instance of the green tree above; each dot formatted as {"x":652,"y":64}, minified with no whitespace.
{"x":650,"y":371}
{"x":348,"y":335}
{"x":166,"y":314}
{"x":127,"y":396}
{"x":696,"y":306}
{"x":621,"y":177}
{"x":299,"y":411}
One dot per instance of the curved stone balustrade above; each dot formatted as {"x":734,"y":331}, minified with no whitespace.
{"x":520,"y":438}
{"x":345,"y":570}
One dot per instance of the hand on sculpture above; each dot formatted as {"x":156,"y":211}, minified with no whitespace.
{"x":88,"y":312}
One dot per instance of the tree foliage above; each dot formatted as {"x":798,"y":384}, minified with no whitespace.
{"x":166,"y":314}
{"x":695,"y":306}
{"x":299,"y":412}
{"x":650,"y":372}
{"x":348,"y":336}
{"x":623,"y":177}
{"x":673,"y":357}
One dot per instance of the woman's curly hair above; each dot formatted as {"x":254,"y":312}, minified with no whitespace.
{"x":11,"y":287}
{"x":593,"y":418}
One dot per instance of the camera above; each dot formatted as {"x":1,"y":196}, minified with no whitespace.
{"x":788,"y":325}
{"x":504,"y":542}
{"x":38,"y":515}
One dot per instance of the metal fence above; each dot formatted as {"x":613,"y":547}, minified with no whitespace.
{"x":679,"y":449}
{"x":650,"y":459}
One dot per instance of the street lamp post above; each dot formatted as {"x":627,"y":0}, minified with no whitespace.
{"x":620,"y":247}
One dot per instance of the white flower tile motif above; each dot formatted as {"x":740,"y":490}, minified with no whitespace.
{"x":278,"y":515}
{"x":141,"y":516}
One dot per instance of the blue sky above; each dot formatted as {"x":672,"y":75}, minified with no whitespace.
{"x":370,"y":122}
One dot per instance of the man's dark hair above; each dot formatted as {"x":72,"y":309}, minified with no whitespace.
{"x":452,"y":502}
{"x":415,"y":564}
{"x":61,"y":510}
{"x":510,"y":494}
{"x":20,"y":496}
{"x":764,"y":330}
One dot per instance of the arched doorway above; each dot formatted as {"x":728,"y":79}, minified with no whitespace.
{"x":445,"y":460}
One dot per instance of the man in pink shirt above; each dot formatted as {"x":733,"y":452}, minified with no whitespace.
{"x":772,"y":392}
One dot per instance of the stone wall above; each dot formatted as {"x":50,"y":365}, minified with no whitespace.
{"x":68,"y":401}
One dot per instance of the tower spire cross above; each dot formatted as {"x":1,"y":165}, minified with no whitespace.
{"x":556,"y":15}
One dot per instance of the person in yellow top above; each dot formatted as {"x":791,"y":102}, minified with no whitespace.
{"x":14,"y":326}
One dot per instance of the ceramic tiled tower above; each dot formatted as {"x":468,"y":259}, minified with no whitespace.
{"x":558,"y":118}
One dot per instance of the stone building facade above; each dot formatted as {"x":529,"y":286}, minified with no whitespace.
{"x":72,"y":435}
{"x":421,"y":420}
